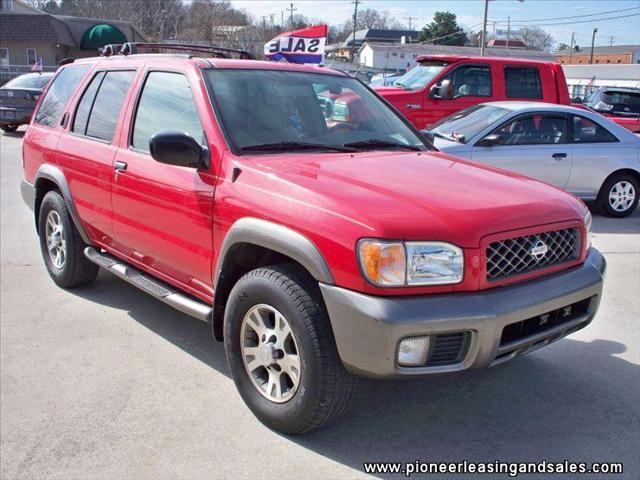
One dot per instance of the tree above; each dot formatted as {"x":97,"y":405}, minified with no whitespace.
{"x":562,"y":46}
{"x":537,"y":38}
{"x":443,"y":30}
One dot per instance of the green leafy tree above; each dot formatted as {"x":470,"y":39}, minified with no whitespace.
{"x":443,"y":30}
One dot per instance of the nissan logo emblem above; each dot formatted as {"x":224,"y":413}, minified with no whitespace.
{"x":539,"y":250}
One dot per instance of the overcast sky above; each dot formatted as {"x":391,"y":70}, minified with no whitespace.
{"x":625,"y":30}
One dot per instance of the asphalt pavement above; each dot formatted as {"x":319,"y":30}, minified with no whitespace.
{"x":106,"y":382}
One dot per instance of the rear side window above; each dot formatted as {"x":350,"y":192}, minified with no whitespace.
{"x":588,"y":131}
{"x":522,"y":82}
{"x":85,"y":105}
{"x":58,"y":95}
{"x":166,"y":103}
{"x":106,"y":107}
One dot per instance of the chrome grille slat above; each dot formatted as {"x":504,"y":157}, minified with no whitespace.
{"x":513,"y":256}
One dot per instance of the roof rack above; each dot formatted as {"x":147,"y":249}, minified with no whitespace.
{"x":131,"y":48}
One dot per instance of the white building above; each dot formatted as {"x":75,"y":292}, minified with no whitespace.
{"x":582,"y":79}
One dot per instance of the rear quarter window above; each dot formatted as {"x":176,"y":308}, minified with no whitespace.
{"x":522,"y":82}
{"x":59,"y":93}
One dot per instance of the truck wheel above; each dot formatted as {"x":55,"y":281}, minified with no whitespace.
{"x":10,"y":127}
{"x":61,"y":245}
{"x":281,"y":352}
{"x":619,"y":195}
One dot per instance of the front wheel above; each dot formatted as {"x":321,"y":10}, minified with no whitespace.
{"x":281,"y":352}
{"x":619,"y":195}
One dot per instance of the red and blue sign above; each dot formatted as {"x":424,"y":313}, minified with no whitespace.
{"x":298,"y":46}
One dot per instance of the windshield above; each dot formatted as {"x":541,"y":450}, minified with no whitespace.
{"x":419,"y":76}
{"x":616,"y":101}
{"x":269,"y":110}
{"x":35,"y":81}
{"x":466,"y":124}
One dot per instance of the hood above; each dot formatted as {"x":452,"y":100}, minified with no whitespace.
{"x":420,"y":196}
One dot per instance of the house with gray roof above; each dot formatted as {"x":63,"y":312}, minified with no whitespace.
{"x":28,"y":35}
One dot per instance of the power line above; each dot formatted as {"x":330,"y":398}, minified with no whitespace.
{"x":571,"y":16}
{"x":580,"y":21}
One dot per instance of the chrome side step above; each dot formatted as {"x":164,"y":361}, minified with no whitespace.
{"x":150,"y":285}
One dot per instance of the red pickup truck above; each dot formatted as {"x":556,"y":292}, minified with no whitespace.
{"x":444,"y":84}
{"x":320,"y":246}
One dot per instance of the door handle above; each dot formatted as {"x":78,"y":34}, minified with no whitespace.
{"x":559,"y":156}
{"x":120,"y":166}
{"x":414,"y":106}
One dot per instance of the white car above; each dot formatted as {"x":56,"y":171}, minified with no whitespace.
{"x":574,"y":149}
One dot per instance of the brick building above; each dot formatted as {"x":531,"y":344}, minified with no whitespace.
{"x":623,"y":54}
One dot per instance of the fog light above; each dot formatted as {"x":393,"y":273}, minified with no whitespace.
{"x":412,"y":351}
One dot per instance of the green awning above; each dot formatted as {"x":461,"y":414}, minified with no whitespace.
{"x":100,"y":35}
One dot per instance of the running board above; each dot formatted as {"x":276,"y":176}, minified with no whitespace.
{"x":150,"y":285}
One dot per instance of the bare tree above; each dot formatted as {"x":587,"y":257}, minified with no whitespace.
{"x":535,"y":37}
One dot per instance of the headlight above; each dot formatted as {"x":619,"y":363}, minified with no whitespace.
{"x":587,"y":226}
{"x":397,"y":264}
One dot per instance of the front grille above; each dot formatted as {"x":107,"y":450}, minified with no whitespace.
{"x":515,"y":256}
{"x":531,"y":326}
{"x":448,"y":349}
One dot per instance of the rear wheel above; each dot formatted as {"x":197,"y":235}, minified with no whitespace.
{"x":281,"y":352}
{"x":619,"y":195}
{"x":61,"y":245}
{"x":11,"y":127}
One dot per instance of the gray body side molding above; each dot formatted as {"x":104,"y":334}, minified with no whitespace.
{"x":279,"y":239}
{"x":55,"y":175}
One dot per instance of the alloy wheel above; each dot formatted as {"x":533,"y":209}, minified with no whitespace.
{"x":621,"y":196}
{"x":270,"y":353}
{"x":56,"y":241}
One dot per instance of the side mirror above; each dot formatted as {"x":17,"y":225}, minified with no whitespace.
{"x":443,"y":90}
{"x":428,"y":136}
{"x":490,"y":140}
{"x":179,"y":149}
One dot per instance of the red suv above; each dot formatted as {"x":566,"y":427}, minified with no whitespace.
{"x":321,"y":245}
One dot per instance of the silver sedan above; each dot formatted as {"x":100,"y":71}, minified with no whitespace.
{"x":571,"y":148}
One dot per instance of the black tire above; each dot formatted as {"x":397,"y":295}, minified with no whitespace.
{"x":76,"y":270}
{"x":325,"y":388}
{"x":11,"y":127}
{"x":605,"y":191}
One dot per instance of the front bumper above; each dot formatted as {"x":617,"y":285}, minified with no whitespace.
{"x":368,"y":329}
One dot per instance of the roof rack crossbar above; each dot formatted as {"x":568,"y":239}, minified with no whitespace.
{"x":133,"y":47}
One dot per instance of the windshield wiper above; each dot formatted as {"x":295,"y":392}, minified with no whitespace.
{"x":399,"y":84}
{"x":374,"y":143}
{"x":295,"y":146}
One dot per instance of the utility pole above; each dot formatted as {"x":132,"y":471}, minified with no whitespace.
{"x":281,"y":18}
{"x":593,"y":41}
{"x":264,"y":21}
{"x":508,"y":31}
{"x":484,"y":28}
{"x":410,"y":18}
{"x":355,"y":26}
{"x":611,"y":40}
{"x":573,"y":36}
{"x":291,"y":9}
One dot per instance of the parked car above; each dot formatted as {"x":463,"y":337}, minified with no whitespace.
{"x":571,"y":148}
{"x":384,"y":80}
{"x":18,"y":98}
{"x":444,"y":84}
{"x":620,"y":105}
{"x":320,"y":246}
